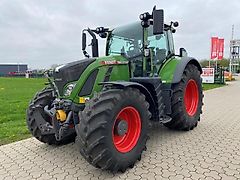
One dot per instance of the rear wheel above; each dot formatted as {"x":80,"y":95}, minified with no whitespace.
{"x":113,"y":128}
{"x":186,"y":100}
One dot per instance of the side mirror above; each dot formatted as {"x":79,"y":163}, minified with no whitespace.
{"x":84,"y":39}
{"x":182,"y":52}
{"x":158,"y":21}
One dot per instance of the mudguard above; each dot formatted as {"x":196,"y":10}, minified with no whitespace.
{"x":181,"y":66}
{"x":124,"y":84}
{"x":142,"y":89}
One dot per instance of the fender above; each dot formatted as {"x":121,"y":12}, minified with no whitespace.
{"x":124,"y":84}
{"x":182,"y":65}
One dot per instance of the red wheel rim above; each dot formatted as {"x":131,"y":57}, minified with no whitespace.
{"x":127,"y":142}
{"x":191,"y":97}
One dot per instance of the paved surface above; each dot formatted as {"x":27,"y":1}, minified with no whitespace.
{"x":211,"y":151}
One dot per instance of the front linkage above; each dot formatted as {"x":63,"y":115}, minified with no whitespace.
{"x":53,"y":116}
{"x":62,"y":118}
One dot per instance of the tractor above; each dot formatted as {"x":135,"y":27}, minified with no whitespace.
{"x":106,"y":104}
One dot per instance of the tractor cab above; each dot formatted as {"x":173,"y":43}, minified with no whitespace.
{"x":145,"y":48}
{"x":128,"y":41}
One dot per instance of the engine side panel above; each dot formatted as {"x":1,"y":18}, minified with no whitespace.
{"x":110,"y":68}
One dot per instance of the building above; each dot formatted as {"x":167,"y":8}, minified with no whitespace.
{"x":10,"y":69}
{"x":234,"y":56}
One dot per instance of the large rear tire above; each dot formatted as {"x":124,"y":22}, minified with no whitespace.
{"x":113,"y":129}
{"x":35,"y":111}
{"x":186,"y":100}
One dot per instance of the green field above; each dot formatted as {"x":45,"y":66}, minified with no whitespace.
{"x":15,"y":94}
{"x":211,"y":86}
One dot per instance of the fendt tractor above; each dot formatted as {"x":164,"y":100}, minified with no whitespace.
{"x":107,"y":104}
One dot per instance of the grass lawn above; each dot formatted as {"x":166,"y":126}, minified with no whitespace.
{"x":211,"y":86}
{"x":15,"y":94}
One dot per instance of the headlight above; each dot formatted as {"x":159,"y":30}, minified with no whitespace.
{"x":69,"y":88}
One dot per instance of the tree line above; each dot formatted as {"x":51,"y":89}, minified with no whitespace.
{"x":223,"y":63}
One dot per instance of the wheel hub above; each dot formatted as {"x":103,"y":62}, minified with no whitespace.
{"x":122,"y":127}
{"x":191,"y":97}
{"x":126,"y":129}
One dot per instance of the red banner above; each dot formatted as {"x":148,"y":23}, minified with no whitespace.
{"x":214,"y":47}
{"x":220,"y":49}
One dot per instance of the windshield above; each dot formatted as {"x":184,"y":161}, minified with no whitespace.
{"x":127,"y":40}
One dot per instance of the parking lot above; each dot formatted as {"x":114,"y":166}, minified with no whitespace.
{"x":211,"y":151}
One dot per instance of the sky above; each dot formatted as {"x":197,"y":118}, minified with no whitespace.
{"x":46,"y":32}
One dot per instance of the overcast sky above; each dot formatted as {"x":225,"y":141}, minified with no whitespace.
{"x":45,"y":32}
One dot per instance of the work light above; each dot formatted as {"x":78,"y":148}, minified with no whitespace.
{"x":69,"y":89}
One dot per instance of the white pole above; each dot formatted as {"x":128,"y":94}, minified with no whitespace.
{"x":230,"y":66}
{"x":231,"y":49}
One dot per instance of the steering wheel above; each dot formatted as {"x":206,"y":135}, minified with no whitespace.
{"x":131,"y":48}
{"x":132,"y":51}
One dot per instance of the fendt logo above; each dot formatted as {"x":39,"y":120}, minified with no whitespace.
{"x":113,"y":62}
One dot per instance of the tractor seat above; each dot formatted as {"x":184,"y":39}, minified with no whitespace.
{"x":160,"y":55}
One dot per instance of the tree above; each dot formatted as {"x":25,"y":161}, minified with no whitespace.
{"x":204,"y":63}
{"x":224,"y":62}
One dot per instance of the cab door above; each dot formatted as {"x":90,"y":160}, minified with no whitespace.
{"x":159,"y":46}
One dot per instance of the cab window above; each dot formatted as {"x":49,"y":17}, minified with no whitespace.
{"x":158,"y":45}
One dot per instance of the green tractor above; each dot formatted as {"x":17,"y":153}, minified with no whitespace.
{"x":106,"y":104}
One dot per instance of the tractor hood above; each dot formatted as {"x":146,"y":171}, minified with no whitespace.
{"x":70,"y":72}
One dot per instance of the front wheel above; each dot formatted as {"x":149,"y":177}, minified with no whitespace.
{"x":38,"y":120}
{"x":186,"y":100}
{"x":113,"y":128}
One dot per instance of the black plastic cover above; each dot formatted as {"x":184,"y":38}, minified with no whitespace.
{"x":88,"y":85}
{"x":70,"y":72}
